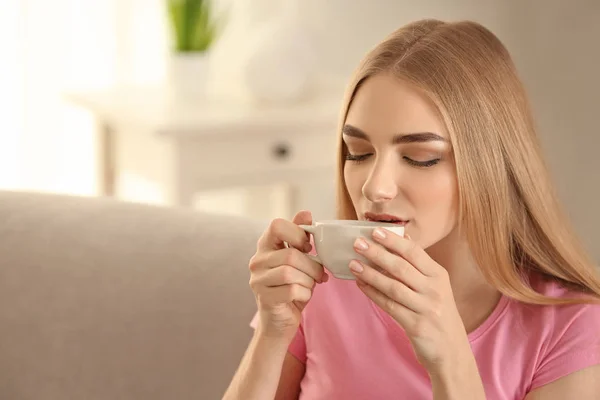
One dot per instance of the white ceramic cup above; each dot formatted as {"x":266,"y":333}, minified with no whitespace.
{"x":334,"y":242}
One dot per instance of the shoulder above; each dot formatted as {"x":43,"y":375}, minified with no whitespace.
{"x":567,"y":336}
{"x":556,"y":321}
{"x":563,"y":315}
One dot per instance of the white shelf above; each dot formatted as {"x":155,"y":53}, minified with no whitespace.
{"x":156,"y":109}
{"x":163,"y":149}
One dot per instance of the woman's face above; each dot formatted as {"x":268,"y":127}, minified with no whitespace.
{"x":400,"y":164}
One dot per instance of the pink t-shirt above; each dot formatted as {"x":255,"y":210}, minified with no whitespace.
{"x":354,"y":350}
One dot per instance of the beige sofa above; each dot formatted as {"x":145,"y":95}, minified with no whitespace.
{"x":107,"y":300}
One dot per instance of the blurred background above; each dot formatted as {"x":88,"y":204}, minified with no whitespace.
{"x":231,"y":106}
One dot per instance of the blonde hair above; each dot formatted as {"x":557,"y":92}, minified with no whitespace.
{"x":507,"y":205}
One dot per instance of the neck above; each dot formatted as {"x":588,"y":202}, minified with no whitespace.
{"x":475,"y":298}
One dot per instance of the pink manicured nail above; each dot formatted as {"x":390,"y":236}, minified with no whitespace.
{"x":361,"y":244}
{"x":355,"y":266}
{"x":379,"y":233}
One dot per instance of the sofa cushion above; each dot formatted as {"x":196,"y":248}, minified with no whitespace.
{"x":107,"y":300}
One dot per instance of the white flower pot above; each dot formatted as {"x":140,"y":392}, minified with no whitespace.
{"x":281,"y":65}
{"x":187,"y":74}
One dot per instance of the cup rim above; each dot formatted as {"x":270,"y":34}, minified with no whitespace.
{"x":355,"y":223}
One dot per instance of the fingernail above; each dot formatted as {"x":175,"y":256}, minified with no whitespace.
{"x":307,"y":248}
{"x":361,"y":244}
{"x":355,"y":266}
{"x":379,"y":233}
{"x":325,"y":277}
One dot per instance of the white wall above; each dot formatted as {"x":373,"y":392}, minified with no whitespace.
{"x":344,"y":30}
{"x":558,"y":53}
{"x":341,"y":31}
{"x":11,"y":82}
{"x":49,"y":47}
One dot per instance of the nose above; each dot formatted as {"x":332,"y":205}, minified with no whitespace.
{"x":381,"y":186}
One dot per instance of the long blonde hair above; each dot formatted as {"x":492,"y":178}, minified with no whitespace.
{"x":508,"y":208}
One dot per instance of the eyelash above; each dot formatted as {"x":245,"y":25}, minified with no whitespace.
{"x":420,"y":164}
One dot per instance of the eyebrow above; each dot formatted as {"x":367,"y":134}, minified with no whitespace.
{"x":414,"y":137}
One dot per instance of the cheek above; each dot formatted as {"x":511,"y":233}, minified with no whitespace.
{"x":355,"y":180}
{"x":437,"y":194}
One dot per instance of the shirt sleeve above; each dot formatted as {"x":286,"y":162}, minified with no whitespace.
{"x":298,"y":345}
{"x":575,"y":346}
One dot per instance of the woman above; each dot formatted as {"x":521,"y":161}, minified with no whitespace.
{"x":489,"y":295}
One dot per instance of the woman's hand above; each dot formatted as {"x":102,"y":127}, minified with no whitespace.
{"x":283,"y":278}
{"x":414,"y":290}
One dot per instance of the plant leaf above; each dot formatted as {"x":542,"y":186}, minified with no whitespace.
{"x":192,"y":24}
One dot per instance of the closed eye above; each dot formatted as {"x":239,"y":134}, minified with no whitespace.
{"x":415,"y":163}
{"x":357,"y":158}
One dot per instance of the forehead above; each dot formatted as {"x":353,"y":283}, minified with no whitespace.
{"x":385,"y":105}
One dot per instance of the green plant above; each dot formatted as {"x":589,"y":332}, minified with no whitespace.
{"x":192,"y":24}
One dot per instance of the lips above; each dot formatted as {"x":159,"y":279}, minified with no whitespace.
{"x":390,"y":218}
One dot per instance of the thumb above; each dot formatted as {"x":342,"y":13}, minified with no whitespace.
{"x":303,"y":217}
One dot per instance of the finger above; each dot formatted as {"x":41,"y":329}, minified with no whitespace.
{"x":296,"y":259}
{"x":403,"y":315}
{"x":280,"y":231}
{"x":390,"y":287}
{"x":283,"y":275}
{"x":288,"y":256}
{"x":285,"y":294}
{"x":407,"y":249}
{"x":302,"y":217}
{"x":394,"y":265}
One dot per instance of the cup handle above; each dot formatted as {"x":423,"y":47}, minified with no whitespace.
{"x":308,"y":228}
{"x":311,"y":229}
